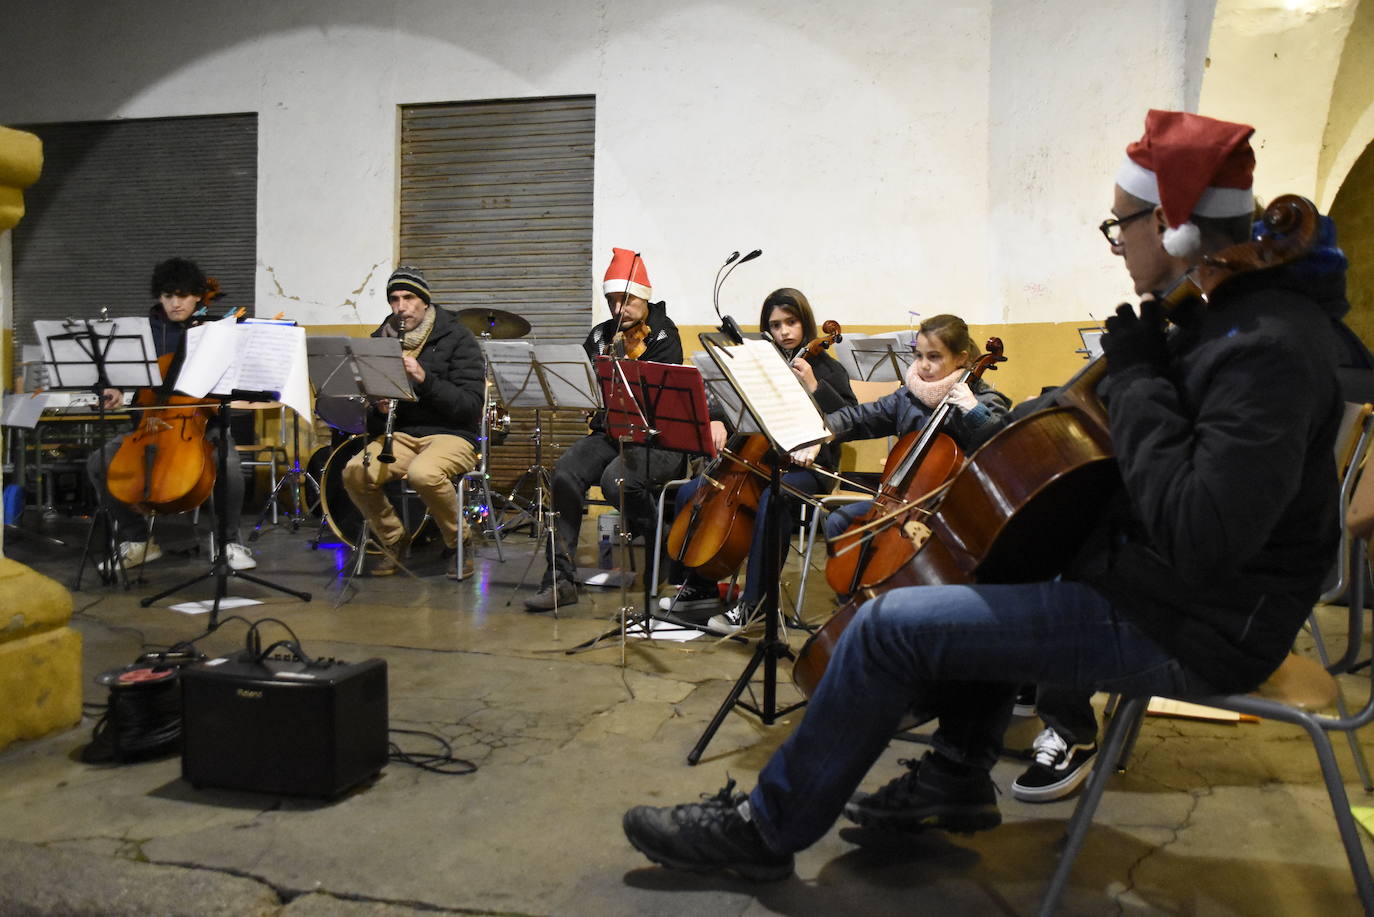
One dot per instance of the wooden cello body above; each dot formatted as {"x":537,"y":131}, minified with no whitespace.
{"x":1024,"y":503}
{"x":1019,"y":507}
{"x":920,"y":463}
{"x":166,"y":465}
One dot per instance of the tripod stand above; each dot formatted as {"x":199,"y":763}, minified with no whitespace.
{"x":771,"y":647}
{"x":294,"y":480}
{"x":220,"y":570}
{"x":777,"y":405}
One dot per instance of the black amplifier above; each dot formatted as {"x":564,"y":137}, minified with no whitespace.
{"x":283,"y":726}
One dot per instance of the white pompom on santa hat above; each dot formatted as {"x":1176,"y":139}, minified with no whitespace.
{"x":627,"y":274}
{"x":1190,"y":164}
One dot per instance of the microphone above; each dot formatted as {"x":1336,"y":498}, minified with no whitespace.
{"x":715,"y":289}
{"x":728,"y":325}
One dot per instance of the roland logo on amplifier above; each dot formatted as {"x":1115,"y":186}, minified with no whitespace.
{"x":279,"y":725}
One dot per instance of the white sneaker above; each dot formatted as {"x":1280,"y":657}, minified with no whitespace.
{"x":240,"y":558}
{"x":134,"y":554}
{"x":732,"y":621}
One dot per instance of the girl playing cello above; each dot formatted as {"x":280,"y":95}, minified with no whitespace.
{"x":787,"y":318}
{"x":943,"y":349}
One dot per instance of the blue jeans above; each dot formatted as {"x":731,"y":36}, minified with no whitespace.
{"x":958,"y":653}
{"x":806,"y":481}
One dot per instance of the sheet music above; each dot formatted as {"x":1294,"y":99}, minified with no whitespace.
{"x":127,"y":345}
{"x":209,"y":353}
{"x":776,"y":396}
{"x":24,"y":410}
{"x":252,"y":356}
{"x":722,"y":391}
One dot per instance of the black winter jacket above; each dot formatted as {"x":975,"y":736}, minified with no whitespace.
{"x":1227,"y":525}
{"x":450,"y":398}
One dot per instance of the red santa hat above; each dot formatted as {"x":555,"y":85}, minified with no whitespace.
{"x":1190,"y":164}
{"x":627,"y":274}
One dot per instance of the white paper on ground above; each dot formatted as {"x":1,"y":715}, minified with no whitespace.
{"x":200,"y":608}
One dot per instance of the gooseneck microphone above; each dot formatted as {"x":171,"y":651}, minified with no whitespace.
{"x":715,"y":289}
{"x":728,"y":325}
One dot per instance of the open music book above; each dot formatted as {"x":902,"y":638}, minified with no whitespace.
{"x":771,"y":392}
{"x":253,"y":356}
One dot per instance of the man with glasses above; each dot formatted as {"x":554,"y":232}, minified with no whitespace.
{"x":1189,"y":584}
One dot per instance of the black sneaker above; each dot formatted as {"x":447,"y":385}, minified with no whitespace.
{"x":715,"y":833}
{"x":1025,"y":702}
{"x":692,"y":602}
{"x":1058,"y":769}
{"x":925,"y":797}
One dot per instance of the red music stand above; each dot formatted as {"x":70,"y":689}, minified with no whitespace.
{"x":658,"y":406}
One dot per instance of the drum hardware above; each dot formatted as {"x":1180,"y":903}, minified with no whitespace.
{"x":347,"y":414}
{"x":294,"y":479}
{"x":336,"y":508}
{"x":498,"y":424}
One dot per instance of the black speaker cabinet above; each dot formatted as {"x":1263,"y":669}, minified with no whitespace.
{"x":281,"y":726}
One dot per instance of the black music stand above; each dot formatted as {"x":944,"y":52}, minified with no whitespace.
{"x":769,"y":393}
{"x":658,"y":406}
{"x":557,"y":378}
{"x":373,"y":369}
{"x":93,"y":355}
{"x":881,"y":358}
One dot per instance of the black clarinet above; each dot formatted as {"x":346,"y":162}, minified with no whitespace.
{"x":387,"y":456}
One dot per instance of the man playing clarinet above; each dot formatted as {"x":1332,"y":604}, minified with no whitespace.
{"x":434,"y":438}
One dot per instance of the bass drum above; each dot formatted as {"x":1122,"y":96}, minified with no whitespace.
{"x":343,"y":517}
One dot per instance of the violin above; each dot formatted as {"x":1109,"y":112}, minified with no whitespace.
{"x":1025,"y":502}
{"x":713,"y":532}
{"x":166,"y":465}
{"x":631,"y":341}
{"x":920,"y":463}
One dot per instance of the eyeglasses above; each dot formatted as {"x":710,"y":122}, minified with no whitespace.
{"x":1111,"y":229}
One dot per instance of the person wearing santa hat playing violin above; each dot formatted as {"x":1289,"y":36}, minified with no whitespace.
{"x":641,"y":330}
{"x":1187,"y":586}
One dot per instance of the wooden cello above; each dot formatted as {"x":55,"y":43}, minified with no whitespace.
{"x":1025,"y":502}
{"x":918,"y":465}
{"x":166,"y":464}
{"x":713,"y":532}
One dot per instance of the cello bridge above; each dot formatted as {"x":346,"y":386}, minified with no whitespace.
{"x":918,"y":533}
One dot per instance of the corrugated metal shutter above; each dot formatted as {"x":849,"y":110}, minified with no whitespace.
{"x":117,"y":197}
{"x":496,"y":209}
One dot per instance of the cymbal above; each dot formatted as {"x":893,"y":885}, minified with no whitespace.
{"x":493,"y":322}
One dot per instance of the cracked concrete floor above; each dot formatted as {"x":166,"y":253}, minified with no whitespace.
{"x":1209,"y":819}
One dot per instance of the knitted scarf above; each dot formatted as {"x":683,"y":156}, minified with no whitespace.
{"x":930,"y":393}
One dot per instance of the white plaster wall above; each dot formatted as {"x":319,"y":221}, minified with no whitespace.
{"x":1070,"y":90}
{"x":887,"y":156}
{"x":1273,"y":64}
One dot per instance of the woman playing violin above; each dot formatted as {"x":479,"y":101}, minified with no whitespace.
{"x":181,"y":290}
{"x":942,"y":350}
{"x":787,"y":318}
